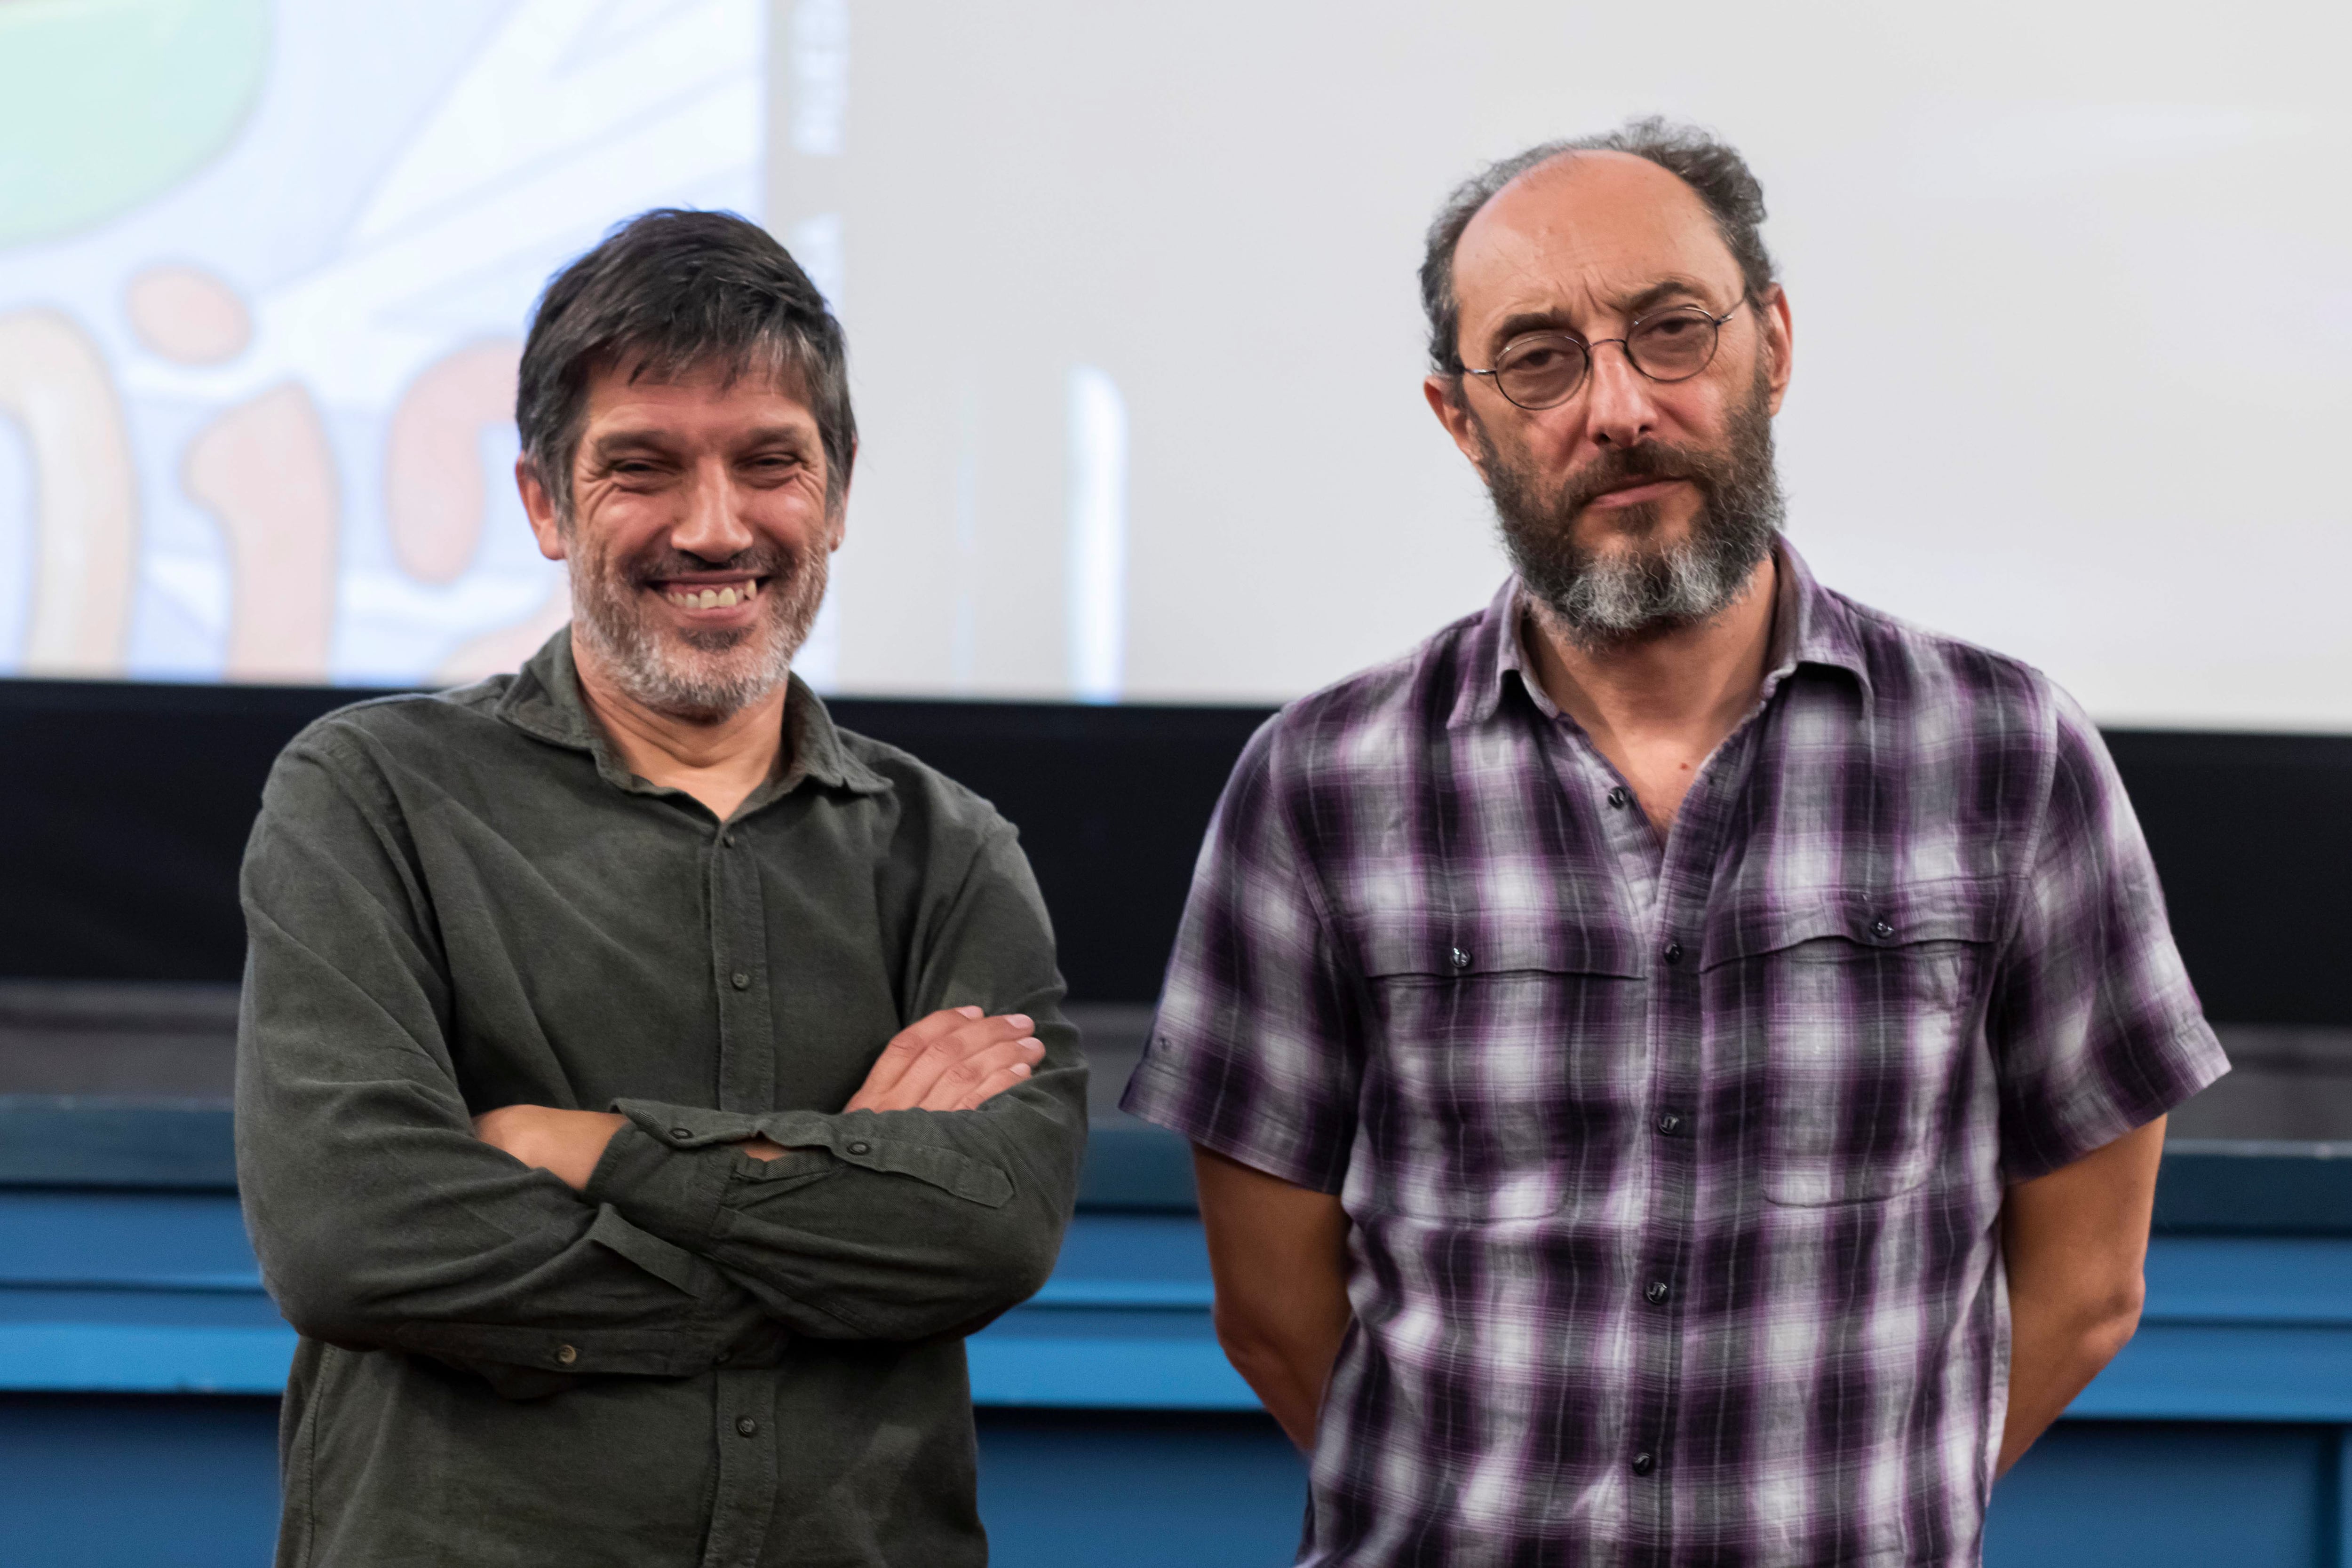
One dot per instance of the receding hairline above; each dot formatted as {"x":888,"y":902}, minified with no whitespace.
{"x":1561,"y":163}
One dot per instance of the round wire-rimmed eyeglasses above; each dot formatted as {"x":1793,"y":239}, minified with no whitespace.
{"x":1544,"y":370}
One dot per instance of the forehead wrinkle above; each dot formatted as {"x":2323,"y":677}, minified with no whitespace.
{"x":1582,"y":235}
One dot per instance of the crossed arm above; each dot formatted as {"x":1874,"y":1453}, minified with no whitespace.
{"x":540,"y":1243}
{"x":953,"y":1060}
{"x":2074,"y":1242}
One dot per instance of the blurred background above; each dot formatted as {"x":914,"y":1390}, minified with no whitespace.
{"x":1137,"y":354}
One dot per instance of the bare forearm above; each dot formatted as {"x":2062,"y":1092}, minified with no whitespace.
{"x":2056,"y":1349}
{"x":1280,"y":1254}
{"x":2074,"y":1243}
{"x":1286,"y":1364}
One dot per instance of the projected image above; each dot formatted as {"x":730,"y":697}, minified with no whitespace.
{"x":259,"y":306}
{"x":1133,"y":328}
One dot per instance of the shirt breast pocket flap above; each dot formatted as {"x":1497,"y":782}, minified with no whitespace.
{"x":1490,"y":1071}
{"x":1863,"y":1004}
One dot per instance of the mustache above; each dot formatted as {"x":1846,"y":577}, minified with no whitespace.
{"x":1622,"y":465}
{"x":759,"y":560}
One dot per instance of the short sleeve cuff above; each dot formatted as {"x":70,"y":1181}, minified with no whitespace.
{"x":2189,"y":1059}
{"x":1159,"y":1093}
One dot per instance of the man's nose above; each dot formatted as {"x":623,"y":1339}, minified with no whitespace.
{"x":1621,"y":405}
{"x":713,"y":526}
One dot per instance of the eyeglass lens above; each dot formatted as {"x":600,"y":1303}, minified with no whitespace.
{"x":1546,"y":368}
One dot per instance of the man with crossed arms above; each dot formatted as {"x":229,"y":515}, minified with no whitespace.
{"x":643,"y":1084}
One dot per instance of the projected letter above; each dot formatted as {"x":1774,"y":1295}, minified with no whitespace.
{"x":265,"y":470}
{"x":53,"y":382}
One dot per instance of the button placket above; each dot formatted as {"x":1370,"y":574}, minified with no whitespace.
{"x":747,"y":1068}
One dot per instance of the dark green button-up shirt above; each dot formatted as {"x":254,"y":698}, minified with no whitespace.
{"x":462,"y":902}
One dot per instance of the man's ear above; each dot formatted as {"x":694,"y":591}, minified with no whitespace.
{"x":838,"y":523}
{"x":1779,"y":341}
{"x":540,"y":507}
{"x":1453,"y":412}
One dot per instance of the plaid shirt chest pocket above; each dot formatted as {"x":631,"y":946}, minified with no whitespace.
{"x":1497,"y":1073}
{"x":1853,"y":1012}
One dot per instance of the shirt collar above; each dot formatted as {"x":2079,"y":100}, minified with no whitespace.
{"x":1811,"y":625}
{"x":544,"y":700}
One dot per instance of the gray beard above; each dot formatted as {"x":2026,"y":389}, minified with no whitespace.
{"x":701,"y":676}
{"x":1596,"y":600}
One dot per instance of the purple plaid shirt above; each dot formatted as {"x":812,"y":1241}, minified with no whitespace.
{"x":1673,"y":1168}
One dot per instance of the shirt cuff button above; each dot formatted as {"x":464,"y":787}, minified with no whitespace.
{"x":566,"y":1355}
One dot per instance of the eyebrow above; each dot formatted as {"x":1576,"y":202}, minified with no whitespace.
{"x":1639,"y":303}
{"x":615,"y":443}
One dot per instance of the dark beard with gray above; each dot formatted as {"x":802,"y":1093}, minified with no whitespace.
{"x":1599,"y":599}
{"x":698,"y":675}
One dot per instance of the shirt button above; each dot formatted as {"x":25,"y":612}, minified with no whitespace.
{"x":1674,"y":952}
{"x":1460,"y":957}
{"x":1669,"y":1123}
{"x":751,"y":1429}
{"x":861,"y":1147}
{"x":728,"y":840}
{"x":1644,"y":1462}
{"x":1881,"y":929}
{"x":1657,"y":1292}
{"x":566,"y":1355}
{"x":740,"y":980}
{"x":1620,"y":797}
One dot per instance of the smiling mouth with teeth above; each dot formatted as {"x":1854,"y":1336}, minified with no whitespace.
{"x":712,"y":597}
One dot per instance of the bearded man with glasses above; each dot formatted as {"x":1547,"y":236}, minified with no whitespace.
{"x":1677,"y":1062}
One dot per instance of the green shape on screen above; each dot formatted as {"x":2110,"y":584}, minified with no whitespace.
{"x":106,"y":103}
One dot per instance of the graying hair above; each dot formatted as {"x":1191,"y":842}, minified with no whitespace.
{"x":667,"y":292}
{"x":1711,"y":168}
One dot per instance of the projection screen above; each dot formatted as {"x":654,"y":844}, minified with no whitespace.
{"x":1137,"y":354}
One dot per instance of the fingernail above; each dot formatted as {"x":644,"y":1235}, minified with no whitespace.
{"x":1020,"y":1070}
{"x":1020,"y":1021}
{"x":969,"y":1012}
{"x":1033,"y":1043}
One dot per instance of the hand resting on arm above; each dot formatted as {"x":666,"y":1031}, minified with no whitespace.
{"x":955,"y":1059}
